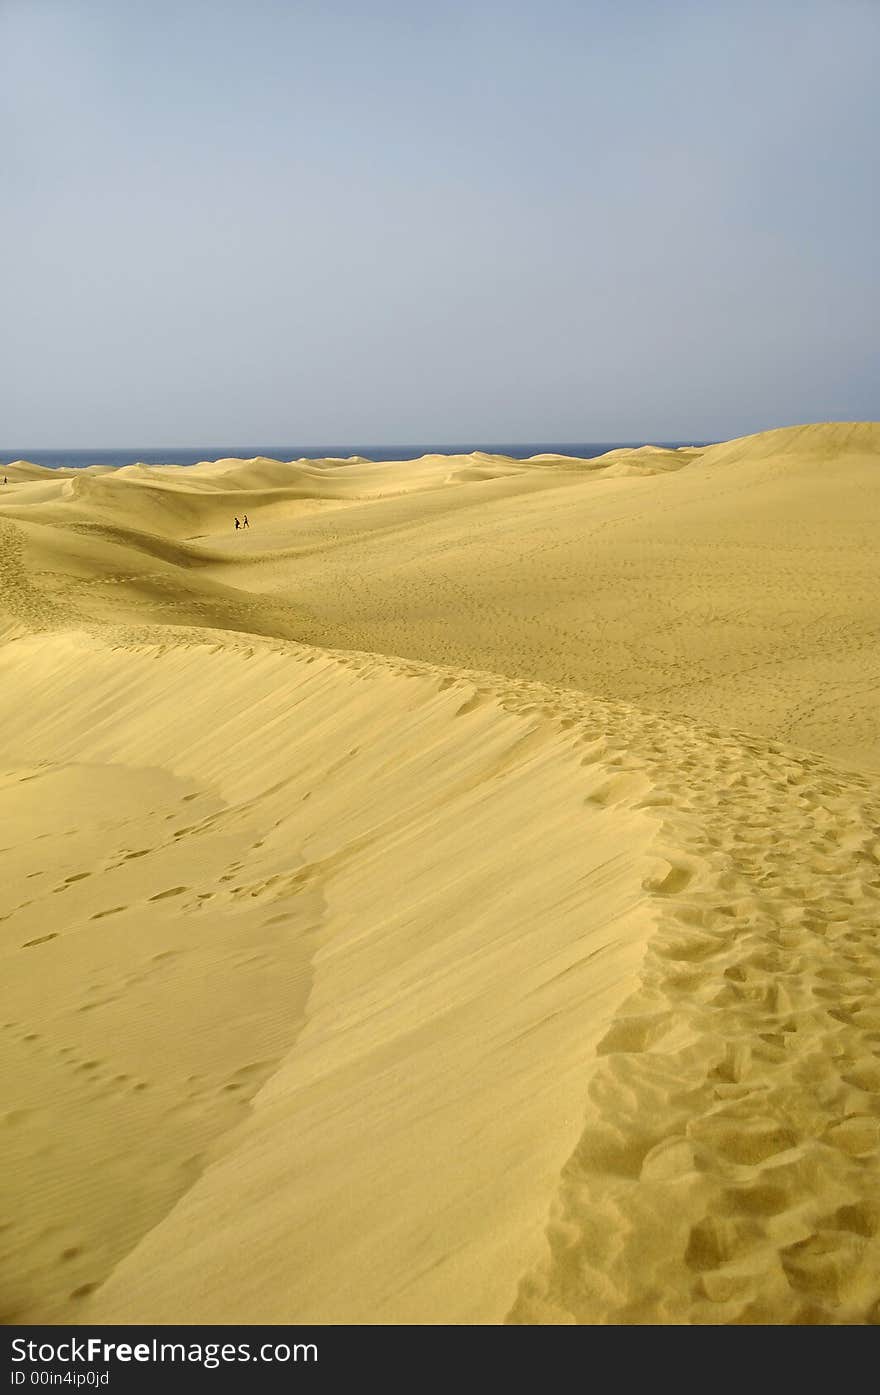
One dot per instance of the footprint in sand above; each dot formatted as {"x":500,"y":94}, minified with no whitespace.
{"x":83,"y":1291}
{"x":13,"y":1117}
{"x":668,"y":879}
{"x":478,"y":700}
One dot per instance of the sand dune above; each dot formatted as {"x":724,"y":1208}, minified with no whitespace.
{"x":453,"y":899}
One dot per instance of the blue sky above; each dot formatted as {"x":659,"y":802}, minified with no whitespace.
{"x":307,"y":222}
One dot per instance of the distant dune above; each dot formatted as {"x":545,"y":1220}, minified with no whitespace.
{"x":451,"y":899}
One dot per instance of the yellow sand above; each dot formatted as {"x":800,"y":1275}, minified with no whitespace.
{"x":453,"y":898}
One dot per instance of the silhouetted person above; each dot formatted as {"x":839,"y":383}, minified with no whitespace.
{"x":245,"y":524}
{"x":237,"y":524}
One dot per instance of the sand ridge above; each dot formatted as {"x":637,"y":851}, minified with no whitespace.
{"x":738,"y":587}
{"x":592,"y":986}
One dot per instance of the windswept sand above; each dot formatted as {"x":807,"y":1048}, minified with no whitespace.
{"x":452,"y":899}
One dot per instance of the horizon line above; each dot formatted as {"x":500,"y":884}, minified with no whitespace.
{"x":178,"y":445}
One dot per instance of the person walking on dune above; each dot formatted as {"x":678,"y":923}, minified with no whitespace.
{"x":245,"y":523}
{"x":237,"y":524}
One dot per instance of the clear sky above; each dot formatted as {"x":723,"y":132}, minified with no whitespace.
{"x":388,"y":220}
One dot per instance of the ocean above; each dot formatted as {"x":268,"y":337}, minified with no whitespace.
{"x":188,"y":455}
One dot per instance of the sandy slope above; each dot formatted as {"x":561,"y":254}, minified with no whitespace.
{"x":529,"y":974}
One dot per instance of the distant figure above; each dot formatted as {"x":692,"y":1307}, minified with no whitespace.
{"x":237,"y":524}
{"x":5,"y":480}
{"x":245,"y":524}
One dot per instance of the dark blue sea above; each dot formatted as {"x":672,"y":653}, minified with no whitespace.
{"x":187,"y":455}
